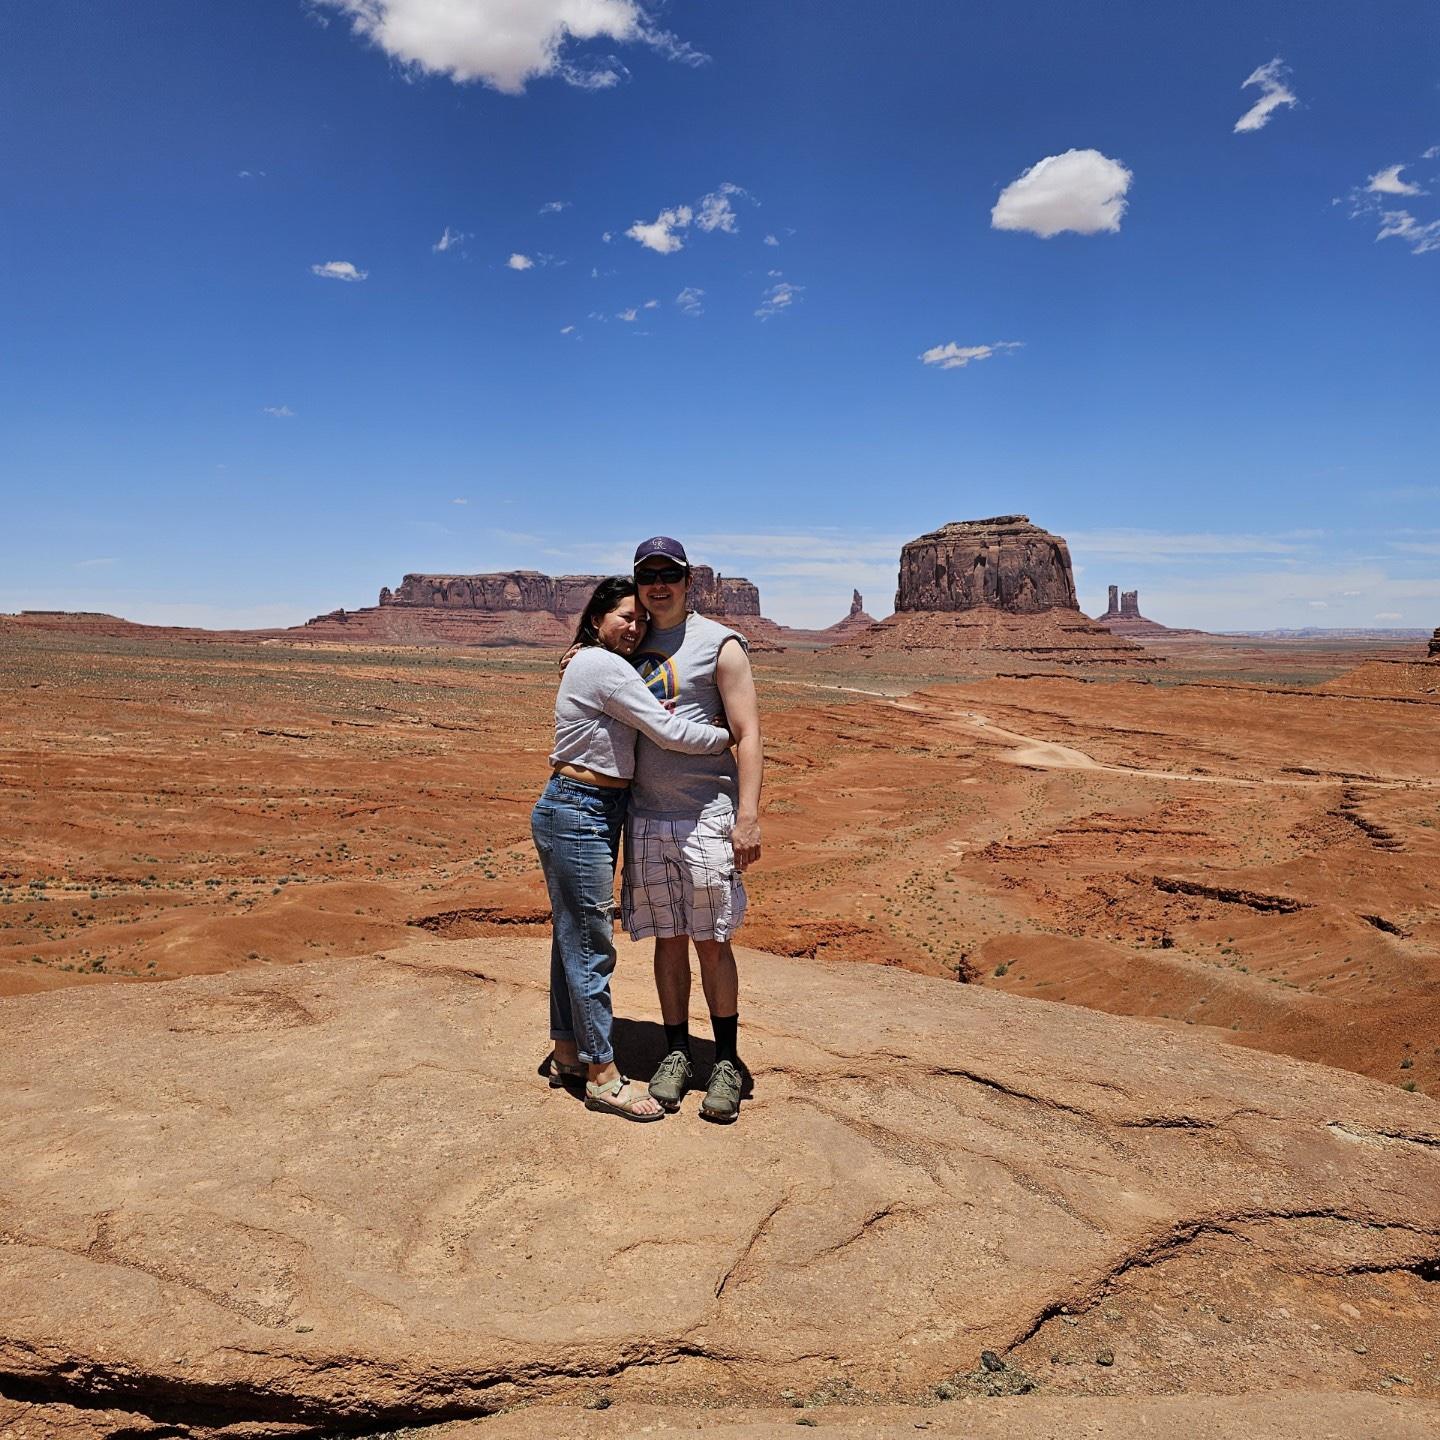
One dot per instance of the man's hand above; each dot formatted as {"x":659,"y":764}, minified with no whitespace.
{"x":745,"y":837}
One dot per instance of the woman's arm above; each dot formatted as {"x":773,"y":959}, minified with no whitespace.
{"x":633,"y":703}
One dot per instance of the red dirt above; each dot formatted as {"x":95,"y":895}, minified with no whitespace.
{"x":1233,"y":850}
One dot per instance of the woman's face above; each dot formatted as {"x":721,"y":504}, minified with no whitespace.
{"x":623,"y":628}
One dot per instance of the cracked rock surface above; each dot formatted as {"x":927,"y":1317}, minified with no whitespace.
{"x":337,"y":1198}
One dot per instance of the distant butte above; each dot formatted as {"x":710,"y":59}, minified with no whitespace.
{"x":982,"y":590}
{"x":1123,"y":617}
{"x":520,"y":607}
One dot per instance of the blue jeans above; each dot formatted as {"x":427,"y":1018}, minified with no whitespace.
{"x":577,"y":832}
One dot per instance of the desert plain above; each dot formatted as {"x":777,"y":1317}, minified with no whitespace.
{"x":1093,"y":1021}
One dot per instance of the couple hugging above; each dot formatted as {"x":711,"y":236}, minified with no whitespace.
{"x":651,"y":701}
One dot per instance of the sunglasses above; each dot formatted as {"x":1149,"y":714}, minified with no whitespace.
{"x":666,"y":575}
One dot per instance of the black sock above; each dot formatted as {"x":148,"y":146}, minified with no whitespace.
{"x":726,"y":1028}
{"x":677,"y":1037}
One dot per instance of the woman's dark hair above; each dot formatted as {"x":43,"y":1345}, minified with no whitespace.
{"x":608,"y":594}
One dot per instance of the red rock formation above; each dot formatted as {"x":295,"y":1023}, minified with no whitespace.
{"x":1435,"y":644}
{"x":1123,"y":617}
{"x":520,"y":607}
{"x":982,"y":592}
{"x":1004,"y":562}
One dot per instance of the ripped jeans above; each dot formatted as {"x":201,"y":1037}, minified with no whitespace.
{"x":577,"y":832}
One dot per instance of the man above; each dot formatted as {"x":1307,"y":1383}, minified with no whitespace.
{"x":694,"y":824}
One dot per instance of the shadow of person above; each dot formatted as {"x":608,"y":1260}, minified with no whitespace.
{"x":640,"y":1046}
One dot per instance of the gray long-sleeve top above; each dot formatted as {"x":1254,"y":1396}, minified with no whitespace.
{"x":601,"y":705}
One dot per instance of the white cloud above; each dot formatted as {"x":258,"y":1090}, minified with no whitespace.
{"x":651,"y":305}
{"x":339,"y":270}
{"x":459,"y":500}
{"x":1081,"y":190}
{"x":689,"y":300}
{"x":507,"y":43}
{"x":1402,"y":225}
{"x":1161,"y":547}
{"x":629,"y":316}
{"x":1271,"y":79}
{"x":771,"y":240}
{"x":1387,"y":615}
{"x":252,"y":175}
{"x":554,"y":207}
{"x":520,"y":262}
{"x":659,"y":235}
{"x":709,"y":213}
{"x":714,"y":211}
{"x":449,"y":240}
{"x":956,"y":357}
{"x":1388,"y":182}
{"x":778,"y":298}
{"x":280,"y":412}
{"x":567,"y":329}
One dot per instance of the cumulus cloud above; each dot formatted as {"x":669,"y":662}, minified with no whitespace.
{"x":778,"y":298}
{"x":507,"y":43}
{"x":629,"y":316}
{"x":660,"y":234}
{"x":567,"y":329}
{"x":771,"y":240}
{"x":520,"y":262}
{"x":709,"y":213}
{"x":280,"y":412}
{"x":554,"y":207}
{"x":689,"y":300}
{"x":651,"y":305}
{"x":714,"y":211}
{"x":1388,"y":182}
{"x":339,"y":270}
{"x":1081,"y":190}
{"x":1271,"y":80}
{"x":449,"y":240}
{"x":956,"y":357}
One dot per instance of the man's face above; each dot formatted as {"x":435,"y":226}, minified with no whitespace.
{"x":662,"y":584}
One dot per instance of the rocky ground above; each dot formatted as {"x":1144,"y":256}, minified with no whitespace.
{"x":274,"y":1194}
{"x":339,"y":1195}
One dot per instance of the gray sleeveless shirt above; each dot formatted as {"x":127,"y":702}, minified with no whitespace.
{"x":679,"y":664}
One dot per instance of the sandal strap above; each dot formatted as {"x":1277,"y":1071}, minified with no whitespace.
{"x":607,"y":1087}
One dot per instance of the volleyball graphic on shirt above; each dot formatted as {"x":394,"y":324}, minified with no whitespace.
{"x":658,"y":672}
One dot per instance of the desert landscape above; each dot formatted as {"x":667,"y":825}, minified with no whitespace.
{"x":1064,"y":908}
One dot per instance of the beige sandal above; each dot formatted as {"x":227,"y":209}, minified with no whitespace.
{"x":619,"y":1097}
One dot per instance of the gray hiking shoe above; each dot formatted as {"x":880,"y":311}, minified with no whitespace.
{"x":722,"y":1095}
{"x":672,"y":1078}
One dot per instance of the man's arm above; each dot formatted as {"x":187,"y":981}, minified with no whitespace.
{"x":742,"y":714}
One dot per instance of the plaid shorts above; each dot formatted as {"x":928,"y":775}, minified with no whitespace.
{"x":680,"y":879}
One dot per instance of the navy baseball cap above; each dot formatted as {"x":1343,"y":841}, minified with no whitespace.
{"x":661,"y":545}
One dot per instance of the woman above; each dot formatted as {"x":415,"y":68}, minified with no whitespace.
{"x":577,"y":823}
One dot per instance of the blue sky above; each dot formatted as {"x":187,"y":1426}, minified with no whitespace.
{"x":267,"y":348}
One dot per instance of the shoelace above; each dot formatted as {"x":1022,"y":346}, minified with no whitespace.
{"x":672,"y":1067}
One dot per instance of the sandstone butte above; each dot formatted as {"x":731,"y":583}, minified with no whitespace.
{"x":1000,"y":587}
{"x":520,"y":607}
{"x":337,"y":1199}
{"x":1122,"y":617}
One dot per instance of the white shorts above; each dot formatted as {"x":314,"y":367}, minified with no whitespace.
{"x":680,"y":879}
